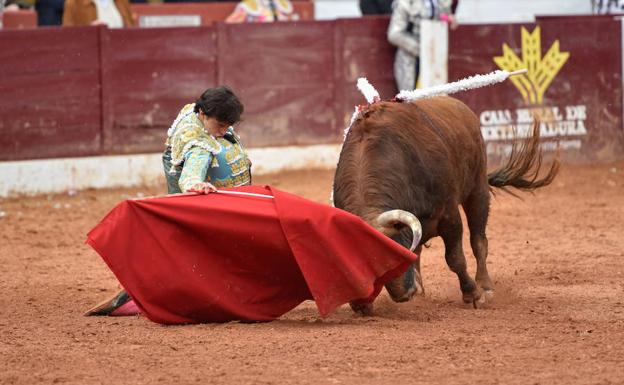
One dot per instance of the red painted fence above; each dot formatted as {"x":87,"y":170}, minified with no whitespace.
{"x":50,"y":93}
{"x":148,"y":75}
{"x":90,"y":91}
{"x":87,"y":91}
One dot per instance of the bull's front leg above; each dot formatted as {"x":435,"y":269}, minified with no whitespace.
{"x":450,"y":229}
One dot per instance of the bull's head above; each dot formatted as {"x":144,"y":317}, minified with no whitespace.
{"x":390,"y":224}
{"x":403,"y":288}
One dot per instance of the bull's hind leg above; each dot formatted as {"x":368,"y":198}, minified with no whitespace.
{"x":477,"y":209}
{"x":450,"y":229}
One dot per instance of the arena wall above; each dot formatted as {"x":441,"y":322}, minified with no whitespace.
{"x":71,"y":92}
{"x":82,"y":94}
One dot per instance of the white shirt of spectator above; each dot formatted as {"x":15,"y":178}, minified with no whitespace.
{"x":606,"y":7}
{"x":108,"y":14}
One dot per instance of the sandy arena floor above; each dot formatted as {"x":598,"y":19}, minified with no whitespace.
{"x":557,"y":259}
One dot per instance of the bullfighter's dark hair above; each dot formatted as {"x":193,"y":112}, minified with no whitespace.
{"x":220,"y":103}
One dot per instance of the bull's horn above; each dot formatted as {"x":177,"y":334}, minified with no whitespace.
{"x":387,"y":220}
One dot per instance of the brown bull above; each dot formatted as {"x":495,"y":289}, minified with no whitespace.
{"x":427,"y":158}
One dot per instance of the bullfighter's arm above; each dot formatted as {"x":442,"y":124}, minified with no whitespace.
{"x":397,"y":31}
{"x":196,"y":163}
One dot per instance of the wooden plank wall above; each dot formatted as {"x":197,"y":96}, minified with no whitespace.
{"x":89,"y":91}
{"x":150,"y":75}
{"x":50,"y":93}
{"x":92,"y":91}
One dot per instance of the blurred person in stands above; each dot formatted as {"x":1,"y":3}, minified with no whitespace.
{"x":202,"y":153}
{"x":49,"y":12}
{"x":404,"y":32}
{"x":606,"y":7}
{"x":197,"y":1}
{"x":112,"y":13}
{"x":376,"y":7}
{"x":14,"y":5}
{"x":262,"y":11}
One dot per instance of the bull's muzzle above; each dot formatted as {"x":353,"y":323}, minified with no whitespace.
{"x":403,"y":288}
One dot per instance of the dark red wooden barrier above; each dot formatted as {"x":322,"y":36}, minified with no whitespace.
{"x":148,"y":76}
{"x":361,"y":50}
{"x":83,"y":91}
{"x":50,"y":94}
{"x":285,"y":74}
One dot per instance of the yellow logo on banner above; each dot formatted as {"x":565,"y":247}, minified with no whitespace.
{"x":542,"y":70}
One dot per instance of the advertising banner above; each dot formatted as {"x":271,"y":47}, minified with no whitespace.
{"x":573,"y":86}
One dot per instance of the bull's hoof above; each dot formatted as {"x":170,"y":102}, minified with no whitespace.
{"x":365,"y":309}
{"x":479,"y":298}
{"x":474,"y":298}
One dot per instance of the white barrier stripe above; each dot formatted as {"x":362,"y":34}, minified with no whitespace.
{"x":44,"y":176}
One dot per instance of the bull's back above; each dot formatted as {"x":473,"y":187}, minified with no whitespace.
{"x":452,"y":120}
{"x":459,"y":132}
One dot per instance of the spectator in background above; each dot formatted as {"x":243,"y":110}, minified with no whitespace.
{"x":404,"y":32}
{"x":113,"y":13}
{"x":454,"y":5}
{"x":14,"y":5}
{"x":606,"y":7}
{"x":49,"y":12}
{"x":376,"y":7}
{"x":262,"y":11}
{"x":196,"y":1}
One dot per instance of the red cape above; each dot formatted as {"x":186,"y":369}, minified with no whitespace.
{"x":218,"y":258}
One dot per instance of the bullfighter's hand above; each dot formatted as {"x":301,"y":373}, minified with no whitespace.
{"x":203,"y":188}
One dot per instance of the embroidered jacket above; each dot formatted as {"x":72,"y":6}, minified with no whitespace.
{"x":193,"y":155}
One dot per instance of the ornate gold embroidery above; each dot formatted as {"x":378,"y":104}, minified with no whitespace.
{"x":238,"y":180}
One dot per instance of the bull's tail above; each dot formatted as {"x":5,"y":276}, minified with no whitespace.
{"x":523,"y":167}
